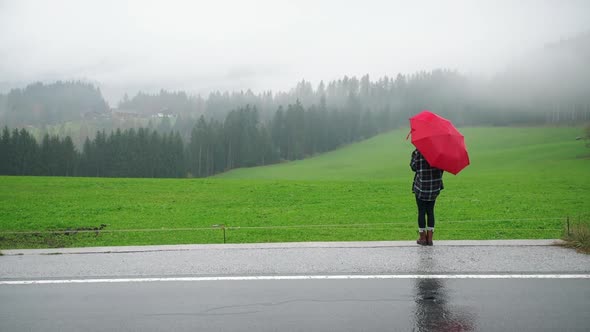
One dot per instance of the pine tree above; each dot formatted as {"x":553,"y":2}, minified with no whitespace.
{"x":279,"y":134}
{"x":5,"y":152}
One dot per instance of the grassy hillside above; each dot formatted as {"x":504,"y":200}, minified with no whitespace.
{"x":386,"y":157}
{"x":523,"y":183}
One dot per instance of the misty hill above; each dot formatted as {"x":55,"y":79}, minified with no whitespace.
{"x":553,"y":78}
{"x":42,"y":104}
{"x":402,"y":94}
{"x":548,"y":82}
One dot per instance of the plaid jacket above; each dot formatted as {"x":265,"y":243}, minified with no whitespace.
{"x":427,"y":180}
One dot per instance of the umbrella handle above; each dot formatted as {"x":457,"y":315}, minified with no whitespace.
{"x":408,"y":134}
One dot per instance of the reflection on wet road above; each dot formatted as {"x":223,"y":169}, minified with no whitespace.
{"x":433,"y":311}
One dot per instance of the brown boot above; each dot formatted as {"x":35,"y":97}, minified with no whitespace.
{"x":429,"y":235}
{"x":422,"y":240}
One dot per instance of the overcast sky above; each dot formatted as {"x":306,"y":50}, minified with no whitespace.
{"x":200,"y":46}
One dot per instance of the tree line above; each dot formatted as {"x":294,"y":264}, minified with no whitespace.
{"x":242,"y":139}
{"x":21,"y":154}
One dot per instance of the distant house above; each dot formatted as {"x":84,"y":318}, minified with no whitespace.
{"x":94,"y":115}
{"x":164,"y":113}
{"x":123,"y":114}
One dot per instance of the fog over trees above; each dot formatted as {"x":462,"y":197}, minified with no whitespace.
{"x":176,"y":134}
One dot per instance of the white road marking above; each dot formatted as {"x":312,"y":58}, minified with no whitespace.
{"x":299,"y":277}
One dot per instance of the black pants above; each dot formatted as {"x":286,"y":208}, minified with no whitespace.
{"x":425,"y":208}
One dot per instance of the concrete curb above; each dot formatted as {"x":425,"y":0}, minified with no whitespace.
{"x":288,"y":245}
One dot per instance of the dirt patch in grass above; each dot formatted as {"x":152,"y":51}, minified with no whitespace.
{"x":48,"y":239}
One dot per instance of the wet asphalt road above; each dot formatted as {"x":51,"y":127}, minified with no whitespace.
{"x":292,"y":259}
{"x":418,"y":304}
{"x":300,"y":305}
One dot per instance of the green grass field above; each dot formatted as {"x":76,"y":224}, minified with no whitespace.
{"x":522,"y":183}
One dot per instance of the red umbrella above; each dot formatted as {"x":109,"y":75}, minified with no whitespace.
{"x":439,"y":141}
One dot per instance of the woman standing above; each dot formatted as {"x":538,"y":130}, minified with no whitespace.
{"x":427,"y":185}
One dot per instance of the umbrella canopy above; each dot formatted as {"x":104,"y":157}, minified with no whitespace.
{"x":441,"y":144}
